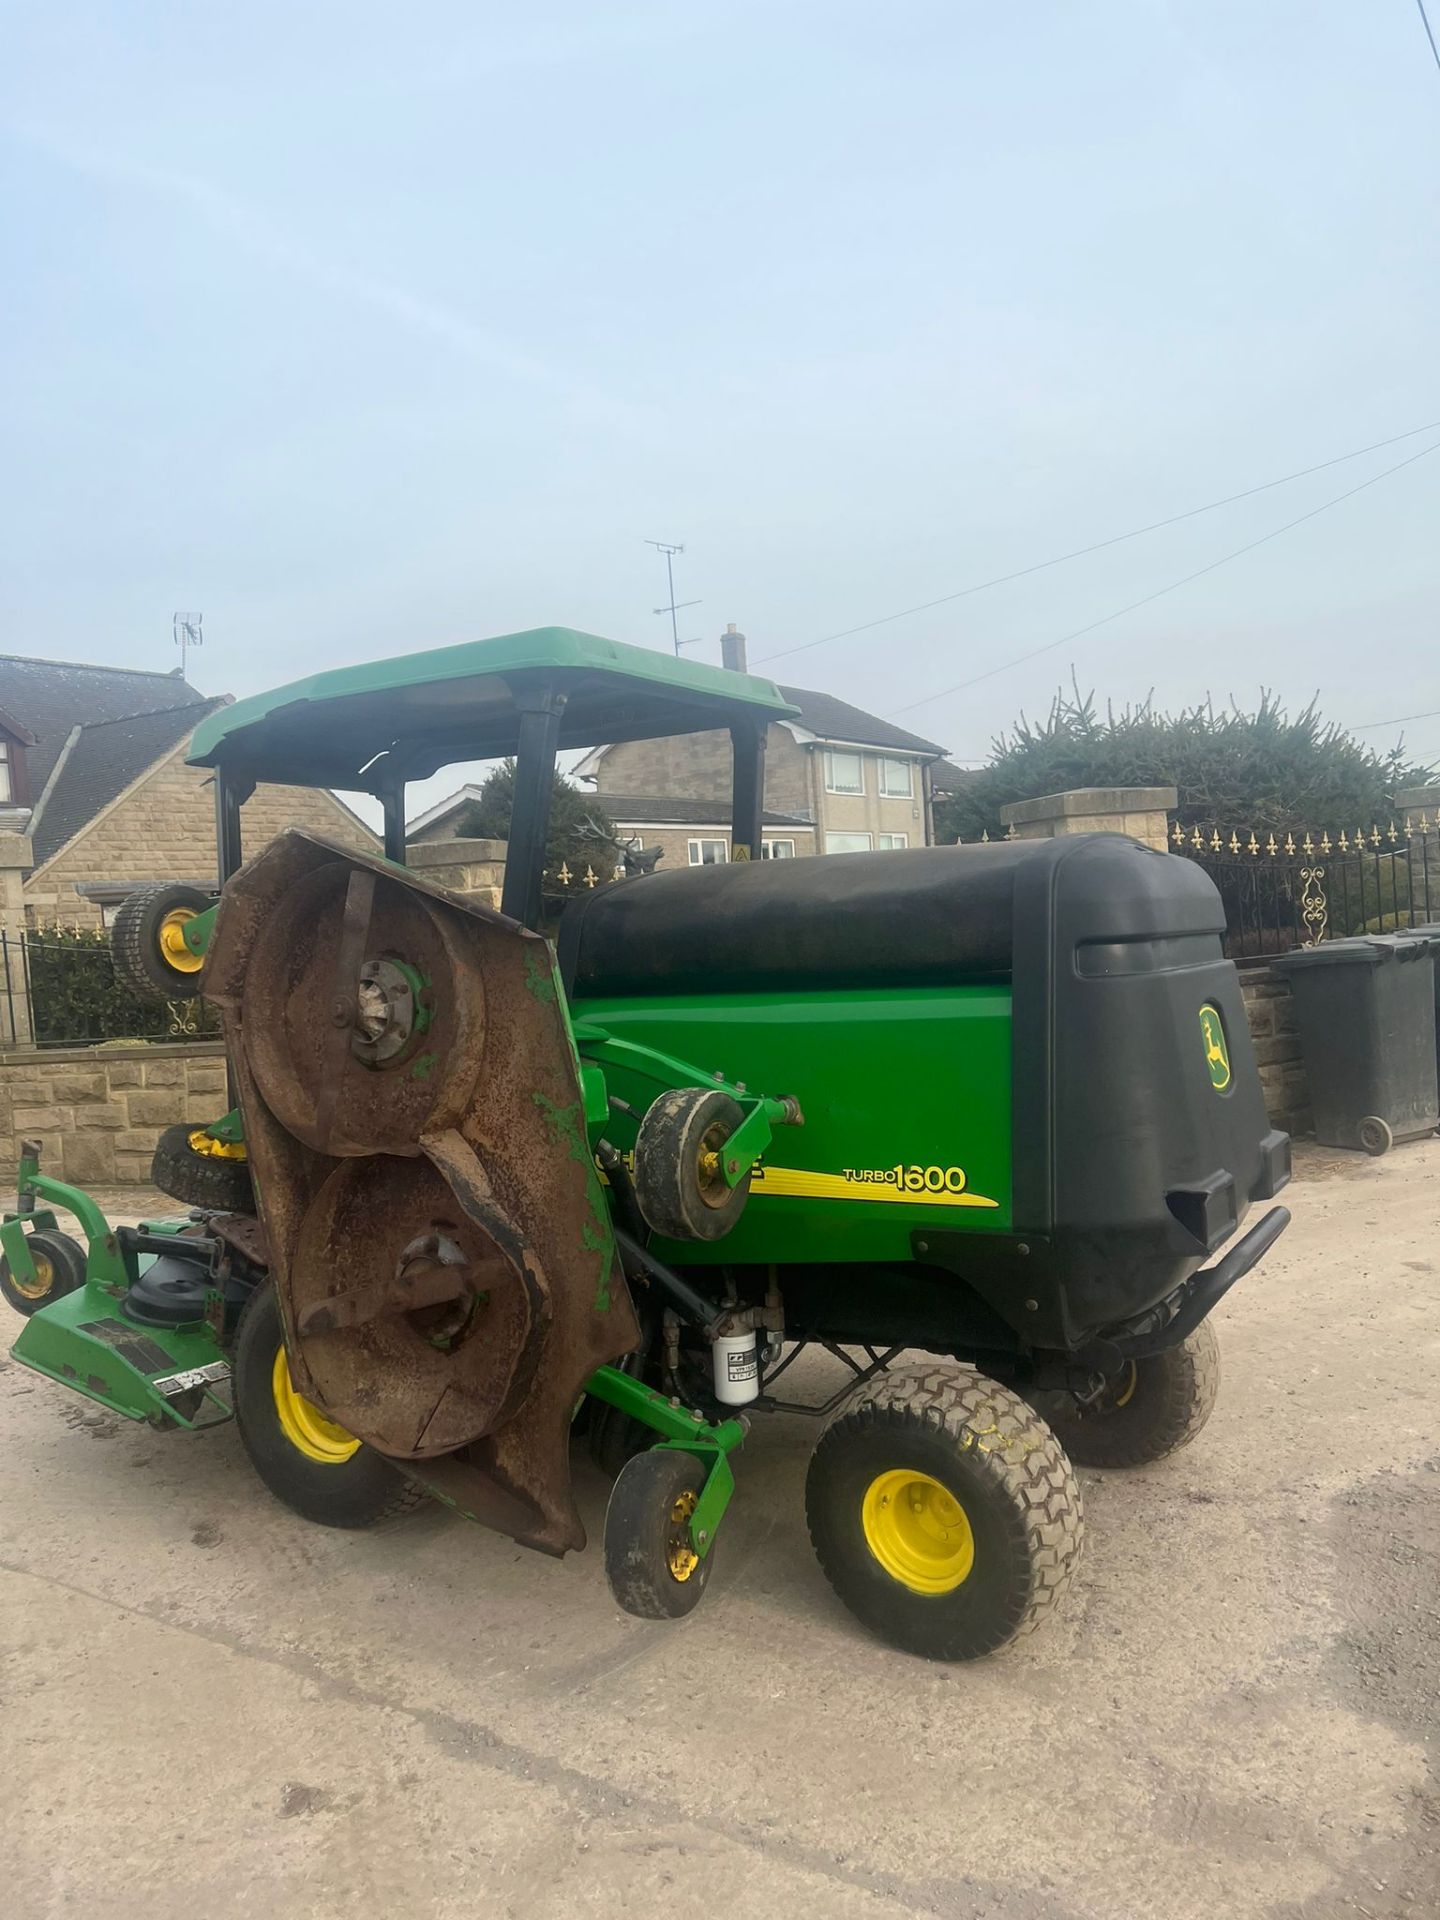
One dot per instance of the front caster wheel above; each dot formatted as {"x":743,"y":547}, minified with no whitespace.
{"x":943,"y":1512}
{"x":59,"y":1269}
{"x":653,"y":1570}
{"x":1153,"y":1407}
{"x":314,"y":1466}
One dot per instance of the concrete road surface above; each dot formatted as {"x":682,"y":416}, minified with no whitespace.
{"x":211,"y":1709}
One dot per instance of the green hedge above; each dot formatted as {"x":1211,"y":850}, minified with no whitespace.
{"x":76,"y":1000}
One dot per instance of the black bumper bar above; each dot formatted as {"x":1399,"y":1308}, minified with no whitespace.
{"x":1203,"y":1290}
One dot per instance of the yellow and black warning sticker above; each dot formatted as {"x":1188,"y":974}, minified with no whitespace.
{"x":900,"y":1185}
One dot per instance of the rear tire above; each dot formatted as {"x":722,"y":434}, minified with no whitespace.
{"x":944,"y":1512}
{"x":354,"y":1486}
{"x":59,"y":1269}
{"x":1156,"y":1407}
{"x":214,"y":1182}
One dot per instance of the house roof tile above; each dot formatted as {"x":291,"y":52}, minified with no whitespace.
{"x":51,"y":697}
{"x":835,"y":719}
{"x":101,"y":760}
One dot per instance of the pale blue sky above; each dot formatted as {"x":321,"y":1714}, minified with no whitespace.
{"x":366,"y":328}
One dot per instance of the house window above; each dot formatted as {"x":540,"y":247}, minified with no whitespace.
{"x":708,"y":853}
{"x":7,"y":781}
{"x":108,"y":911}
{"x":889,"y":842}
{"x":847,"y":843}
{"x":777,"y":850}
{"x":844,"y":772}
{"x":895,"y":780}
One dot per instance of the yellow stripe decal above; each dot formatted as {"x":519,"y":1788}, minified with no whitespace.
{"x":794,"y":1183}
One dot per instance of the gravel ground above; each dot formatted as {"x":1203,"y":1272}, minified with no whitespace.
{"x":211,"y":1708}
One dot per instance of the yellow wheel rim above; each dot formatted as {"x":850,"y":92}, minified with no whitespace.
{"x":303,"y":1425}
{"x":213,"y":1149}
{"x":918,"y":1531}
{"x":176,"y":954}
{"x":680,"y":1555}
{"x":44,"y":1280}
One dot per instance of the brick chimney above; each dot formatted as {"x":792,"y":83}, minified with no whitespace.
{"x":732,"y":650}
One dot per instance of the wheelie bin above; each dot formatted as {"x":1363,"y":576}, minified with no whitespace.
{"x":1366,"y":1012}
{"x":1431,"y":932}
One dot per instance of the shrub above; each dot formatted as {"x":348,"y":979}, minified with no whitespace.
{"x":76,"y":1000}
{"x":1230,"y":768}
{"x":580,"y":833}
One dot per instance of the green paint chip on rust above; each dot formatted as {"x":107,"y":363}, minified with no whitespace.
{"x":540,"y":980}
{"x":424,"y":1066}
{"x":567,"y":1127}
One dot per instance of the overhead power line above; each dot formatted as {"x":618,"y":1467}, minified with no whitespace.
{"x":1374,"y":726}
{"x":1425,"y":18}
{"x":1098,"y":546}
{"x":1146,"y":600}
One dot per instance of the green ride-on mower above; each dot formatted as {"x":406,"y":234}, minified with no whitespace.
{"x":480,"y":1196}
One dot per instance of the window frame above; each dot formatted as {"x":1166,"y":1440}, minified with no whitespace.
{"x":845,"y":753}
{"x":695,"y":854}
{"x":767,"y":845}
{"x":896,"y":793}
{"x":841,"y":834}
{"x":898,"y":842}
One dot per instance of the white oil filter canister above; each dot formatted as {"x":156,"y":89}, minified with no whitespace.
{"x":737,"y":1368}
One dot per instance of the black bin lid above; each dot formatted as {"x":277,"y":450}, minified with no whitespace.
{"x":1363,"y":950}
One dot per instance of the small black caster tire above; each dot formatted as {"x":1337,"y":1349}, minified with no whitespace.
{"x":146,"y":941}
{"x":680,"y":1183}
{"x":1376,"y":1136}
{"x":613,"y":1437}
{"x":943,"y":1512}
{"x":308,"y":1462}
{"x":59,"y":1269}
{"x":654,"y":1572}
{"x":1155,"y":1407}
{"x":214,"y":1182}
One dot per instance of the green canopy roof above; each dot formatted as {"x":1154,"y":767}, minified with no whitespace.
{"x":426,"y":710}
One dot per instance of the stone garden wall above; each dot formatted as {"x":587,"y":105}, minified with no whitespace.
{"x":98,"y":1111}
{"x":1277,"y":1048}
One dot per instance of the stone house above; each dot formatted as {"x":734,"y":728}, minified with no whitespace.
{"x":837,"y":780}
{"x":670,"y":822}
{"x":96,"y":798}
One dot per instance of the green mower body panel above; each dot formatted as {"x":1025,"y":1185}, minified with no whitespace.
{"x":84,"y":1341}
{"x":906,"y":1103}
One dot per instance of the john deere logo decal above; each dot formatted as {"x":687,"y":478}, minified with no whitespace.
{"x":1217,"y":1058}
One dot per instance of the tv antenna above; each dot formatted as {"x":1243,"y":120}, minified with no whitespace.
{"x":187,"y":632}
{"x":673,"y":607}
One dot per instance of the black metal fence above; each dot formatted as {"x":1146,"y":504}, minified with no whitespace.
{"x":1284,"y":889}
{"x":58,"y":988}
